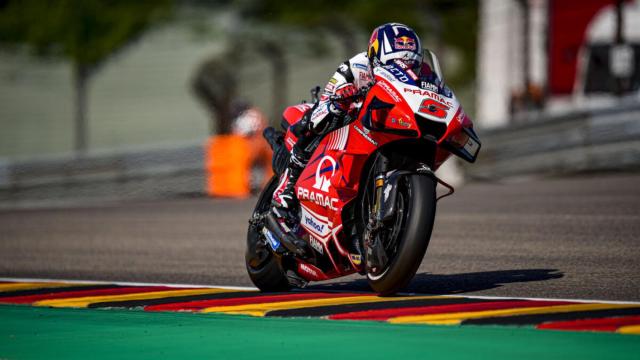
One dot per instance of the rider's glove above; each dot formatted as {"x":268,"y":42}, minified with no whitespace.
{"x":298,"y":158}
{"x":344,"y":96}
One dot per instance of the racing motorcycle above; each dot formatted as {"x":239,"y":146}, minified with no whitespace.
{"x":368,"y":194}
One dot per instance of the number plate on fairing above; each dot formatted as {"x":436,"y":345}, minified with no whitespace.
{"x":472,"y":147}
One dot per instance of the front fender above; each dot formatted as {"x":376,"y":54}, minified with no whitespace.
{"x":387,"y":209}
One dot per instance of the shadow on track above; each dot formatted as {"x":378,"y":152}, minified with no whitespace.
{"x":434,"y":284}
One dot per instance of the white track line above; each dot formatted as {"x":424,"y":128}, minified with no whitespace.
{"x":125,"y":283}
{"x":547,"y":299}
{"x":248,"y":288}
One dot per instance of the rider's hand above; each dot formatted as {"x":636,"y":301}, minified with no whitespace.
{"x":344,"y":96}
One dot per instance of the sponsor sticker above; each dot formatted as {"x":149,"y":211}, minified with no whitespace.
{"x":322,"y":182}
{"x":361,"y":66}
{"x":319,"y":113}
{"x":401,"y":64}
{"x":314,"y":224}
{"x":399,"y":74}
{"x":404,"y":43}
{"x":315,"y":243}
{"x":429,"y":94}
{"x":317,"y":198}
{"x":400,"y":122}
{"x":389,"y":91}
{"x":387,"y":191}
{"x":366,"y":135}
{"x":273,"y":242}
{"x":307,"y":269}
{"x":428,"y":86}
{"x":412,"y":74}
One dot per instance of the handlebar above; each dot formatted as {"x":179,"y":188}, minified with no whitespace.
{"x":272,"y":136}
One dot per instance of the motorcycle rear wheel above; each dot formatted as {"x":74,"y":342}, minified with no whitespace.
{"x":409,"y":234}
{"x":264,"y":269}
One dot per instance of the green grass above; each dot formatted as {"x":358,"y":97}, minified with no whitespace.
{"x":37,"y":333}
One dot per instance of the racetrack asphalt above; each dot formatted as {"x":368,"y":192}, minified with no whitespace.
{"x":573,"y":237}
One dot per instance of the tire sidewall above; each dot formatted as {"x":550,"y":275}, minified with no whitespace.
{"x":414,"y":240}
{"x":270,"y":275}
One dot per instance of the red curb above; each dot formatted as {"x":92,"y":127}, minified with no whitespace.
{"x":605,"y":324}
{"x":82,"y":293}
{"x":385,"y":314}
{"x":199,"y":305}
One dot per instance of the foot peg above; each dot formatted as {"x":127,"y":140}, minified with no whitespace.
{"x":295,"y":279}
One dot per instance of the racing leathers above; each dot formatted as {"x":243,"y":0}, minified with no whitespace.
{"x":339,"y":97}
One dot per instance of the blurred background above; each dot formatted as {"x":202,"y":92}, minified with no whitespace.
{"x":108,"y":99}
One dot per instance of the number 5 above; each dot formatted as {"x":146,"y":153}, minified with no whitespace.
{"x":433,"y":108}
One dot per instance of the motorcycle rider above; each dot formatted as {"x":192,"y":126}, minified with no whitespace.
{"x":391,"y":42}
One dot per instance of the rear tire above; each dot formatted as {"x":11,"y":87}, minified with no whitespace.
{"x":417,"y":196}
{"x":264,"y":268}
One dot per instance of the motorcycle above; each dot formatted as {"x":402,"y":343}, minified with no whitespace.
{"x":368,"y":194}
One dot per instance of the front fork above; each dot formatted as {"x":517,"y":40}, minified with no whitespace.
{"x":376,"y":257}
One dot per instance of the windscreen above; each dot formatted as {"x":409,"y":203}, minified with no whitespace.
{"x":430,"y":58}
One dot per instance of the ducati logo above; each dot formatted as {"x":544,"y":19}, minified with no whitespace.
{"x":322,"y":182}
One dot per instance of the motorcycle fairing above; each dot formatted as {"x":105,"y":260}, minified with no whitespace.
{"x":331,"y":179}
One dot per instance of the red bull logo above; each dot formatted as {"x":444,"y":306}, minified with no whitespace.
{"x":405,"y":43}
{"x":373,"y":44}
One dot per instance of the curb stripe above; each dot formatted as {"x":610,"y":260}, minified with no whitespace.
{"x":610,"y":324}
{"x":81,"y":293}
{"x":262,"y":309}
{"x":631,"y":330}
{"x":53,"y":290}
{"x":386,"y":314}
{"x":456,"y":318}
{"x":173,"y":299}
{"x":329,"y":310}
{"x":542,"y":318}
{"x":85,"y":301}
{"x":245,"y":301}
{"x":27,"y":286}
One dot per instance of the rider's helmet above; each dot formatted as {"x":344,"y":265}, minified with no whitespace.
{"x":394,"y":41}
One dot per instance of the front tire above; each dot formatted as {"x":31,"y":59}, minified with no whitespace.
{"x":409,"y":236}
{"x":264,"y":268}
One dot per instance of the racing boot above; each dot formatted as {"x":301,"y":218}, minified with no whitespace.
{"x":283,"y":220}
{"x":285,"y":202}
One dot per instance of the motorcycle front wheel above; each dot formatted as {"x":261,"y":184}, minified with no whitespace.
{"x":406,"y":236}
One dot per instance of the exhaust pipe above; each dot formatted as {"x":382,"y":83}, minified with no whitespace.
{"x":294,"y":244}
